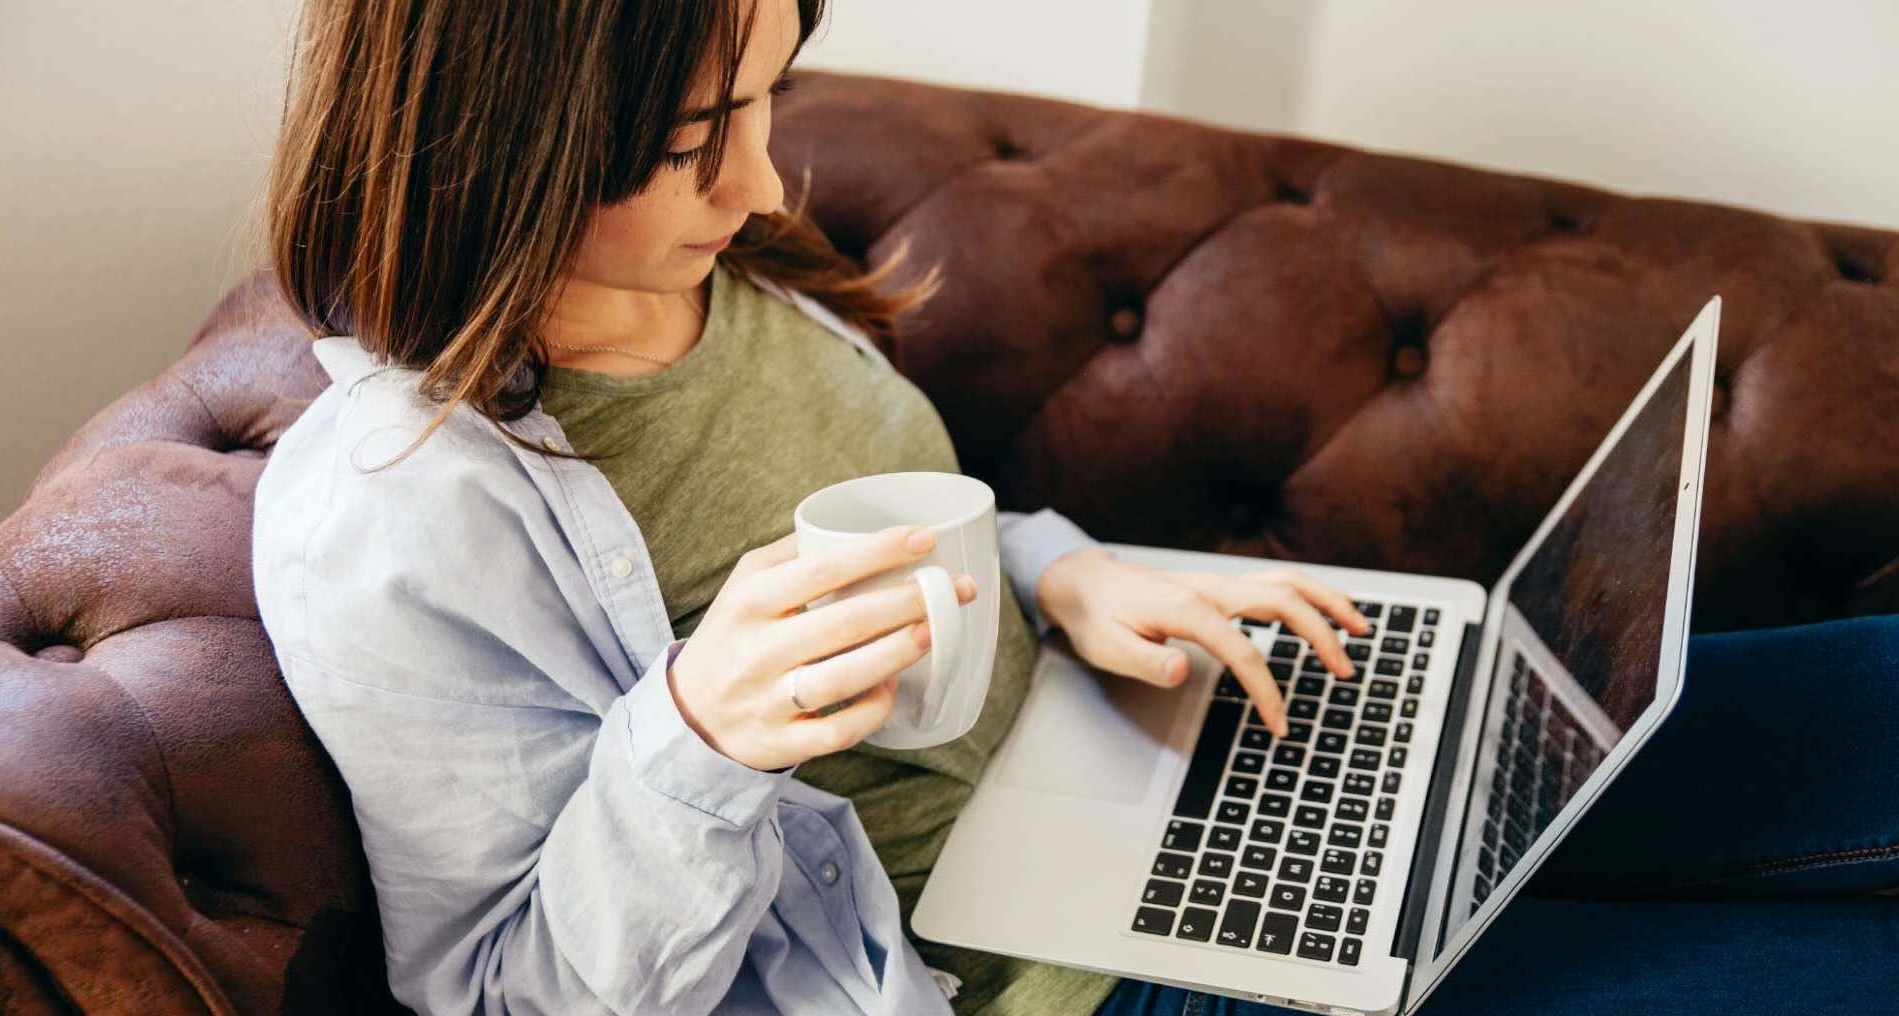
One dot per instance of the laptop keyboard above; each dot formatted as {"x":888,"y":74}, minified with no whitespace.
{"x":1543,"y":755}
{"x":1278,"y":844}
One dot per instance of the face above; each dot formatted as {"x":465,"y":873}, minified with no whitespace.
{"x":647,"y":242}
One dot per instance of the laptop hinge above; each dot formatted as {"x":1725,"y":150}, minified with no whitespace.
{"x":1417,"y":895}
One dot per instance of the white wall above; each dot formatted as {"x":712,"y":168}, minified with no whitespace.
{"x":132,"y":139}
{"x":1791,"y":107}
{"x":1084,"y":50}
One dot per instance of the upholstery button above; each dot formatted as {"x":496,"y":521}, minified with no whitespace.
{"x":620,"y":567}
{"x":551,"y":445}
{"x":829,"y":873}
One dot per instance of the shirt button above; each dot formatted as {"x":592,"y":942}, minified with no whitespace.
{"x":828,"y":873}
{"x":620,"y":567}
{"x":550,"y":444}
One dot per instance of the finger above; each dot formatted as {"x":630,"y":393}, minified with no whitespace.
{"x":853,"y":619}
{"x":1206,"y":625}
{"x":1326,"y":598}
{"x":789,"y":585}
{"x":814,"y":735}
{"x":1122,"y":650}
{"x":837,"y":678}
{"x":1304,"y":621}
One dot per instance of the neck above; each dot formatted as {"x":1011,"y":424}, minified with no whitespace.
{"x":661,"y":325}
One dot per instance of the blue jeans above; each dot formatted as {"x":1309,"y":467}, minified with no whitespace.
{"x":1731,"y":868}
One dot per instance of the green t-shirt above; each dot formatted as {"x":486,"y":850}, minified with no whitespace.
{"x":713,"y":454}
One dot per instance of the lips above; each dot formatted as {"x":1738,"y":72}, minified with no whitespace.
{"x":713,"y":246}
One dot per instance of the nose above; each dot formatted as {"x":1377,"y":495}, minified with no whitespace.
{"x":748,"y":182}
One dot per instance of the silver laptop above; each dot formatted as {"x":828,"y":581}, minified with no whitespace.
{"x":1165,"y":835}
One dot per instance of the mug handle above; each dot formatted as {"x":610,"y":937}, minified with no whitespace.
{"x":946,"y":637}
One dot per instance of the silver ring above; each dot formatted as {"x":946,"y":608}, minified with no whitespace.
{"x":793,"y":675}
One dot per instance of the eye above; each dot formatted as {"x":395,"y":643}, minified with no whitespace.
{"x":782,"y":85}
{"x":682,"y":160}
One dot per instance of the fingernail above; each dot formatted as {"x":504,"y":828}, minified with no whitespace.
{"x":920,"y":541}
{"x":921,"y":631}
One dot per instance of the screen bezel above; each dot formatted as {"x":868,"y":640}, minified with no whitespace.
{"x":1432,"y":962}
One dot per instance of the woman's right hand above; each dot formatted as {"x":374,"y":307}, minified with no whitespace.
{"x":732,"y":677}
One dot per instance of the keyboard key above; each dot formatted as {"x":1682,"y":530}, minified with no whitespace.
{"x":1310,"y":685}
{"x":1266,"y":830}
{"x":1337,"y":719}
{"x":1207,"y":893}
{"x":1308,"y":817}
{"x":1353,"y":809}
{"x":1161,"y":892}
{"x":1303,"y":843}
{"x":1229,"y":687}
{"x":1394,"y":644}
{"x":1389,"y":666}
{"x":1331,"y":742}
{"x":1251,"y":763}
{"x":1361,"y":784}
{"x":1324,"y":918}
{"x":1427,"y":638}
{"x":1358,"y":651}
{"x":1231,"y":811}
{"x":1236,"y":928}
{"x":1387,"y":805}
{"x":1377,"y":712}
{"x":1431,"y":616}
{"x":1182,"y":835}
{"x":1289,"y":897}
{"x":1414,"y":685}
{"x":1197,"y":924}
{"x":1373,"y":863}
{"x":1276,"y":932}
{"x":1402,"y":619}
{"x":1312,"y":665}
{"x":1371,"y":735}
{"x":1380,"y":834}
{"x":1338,"y":862}
{"x":1367,"y":758}
{"x":1289,"y":755}
{"x":1173,"y":865}
{"x":1343,"y":696}
{"x":1297,"y":869}
{"x":1364,"y":892}
{"x":1342,"y":835}
{"x":1316,"y":790}
{"x":1410,"y":707}
{"x":1256,"y":738}
{"x":1356,"y":921}
{"x":1324,"y":767}
{"x":1401,"y":733}
{"x":1258,"y":857}
{"x":1154,"y":921}
{"x":1209,"y":758}
{"x":1314,"y":946}
{"x":1331,"y":890}
{"x":1383,"y":690}
{"x":1217,"y":865}
{"x":1420,"y":661}
{"x":1349,"y":950}
{"x":1247,"y":883}
{"x":1398,"y":756}
{"x":1281,"y":671}
{"x":1275,"y":805}
{"x":1242,"y":787}
{"x":1224,"y":838}
{"x":1298,"y":732}
{"x":1302,"y":708}
{"x":1285,"y":649}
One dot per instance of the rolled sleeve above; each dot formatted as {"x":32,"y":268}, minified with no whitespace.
{"x":1030,"y":542}
{"x":671,"y":758}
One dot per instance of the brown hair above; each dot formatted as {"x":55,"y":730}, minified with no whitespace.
{"x":439,"y":162}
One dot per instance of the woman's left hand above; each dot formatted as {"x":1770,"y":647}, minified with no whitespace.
{"x":1119,"y":615}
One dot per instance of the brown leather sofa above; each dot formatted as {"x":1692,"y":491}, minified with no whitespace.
{"x":1174,"y":334}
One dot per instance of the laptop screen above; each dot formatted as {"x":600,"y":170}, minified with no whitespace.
{"x":1580,"y":648}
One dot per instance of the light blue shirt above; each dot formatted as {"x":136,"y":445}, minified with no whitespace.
{"x":467,"y":632}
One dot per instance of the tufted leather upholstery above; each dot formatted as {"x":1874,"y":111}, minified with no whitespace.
{"x":1175,"y":334}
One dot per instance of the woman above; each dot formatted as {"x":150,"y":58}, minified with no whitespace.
{"x":522,"y":563}
{"x":522,"y":566}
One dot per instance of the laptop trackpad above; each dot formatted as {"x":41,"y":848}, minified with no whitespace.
{"x":1086,"y":733}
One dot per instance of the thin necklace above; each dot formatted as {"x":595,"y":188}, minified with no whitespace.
{"x":691,"y":298}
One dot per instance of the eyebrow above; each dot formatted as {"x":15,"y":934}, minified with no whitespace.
{"x":705,"y":114}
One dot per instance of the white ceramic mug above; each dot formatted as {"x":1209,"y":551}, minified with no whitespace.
{"x":940,"y":696}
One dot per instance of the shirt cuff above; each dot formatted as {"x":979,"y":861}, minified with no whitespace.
{"x":1029,"y":544}
{"x":671,"y":758}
